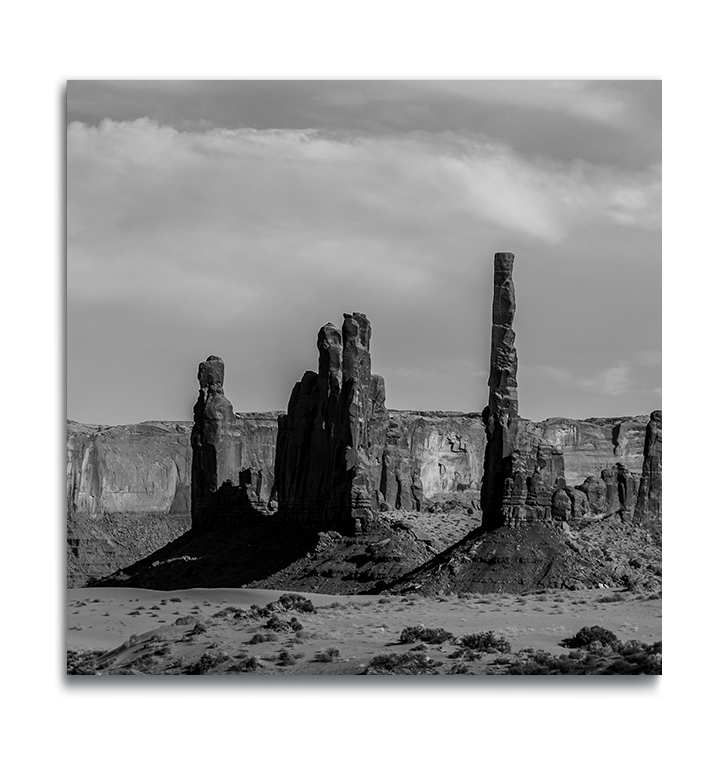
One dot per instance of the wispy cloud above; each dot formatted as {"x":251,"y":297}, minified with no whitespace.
{"x":229,"y":230}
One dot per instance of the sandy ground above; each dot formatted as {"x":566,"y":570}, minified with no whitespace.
{"x":359,"y":627}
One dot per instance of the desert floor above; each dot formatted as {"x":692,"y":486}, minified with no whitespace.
{"x":134,"y":621}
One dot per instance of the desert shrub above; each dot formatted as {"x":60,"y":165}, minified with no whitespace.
{"x":432,"y":636}
{"x":209,"y":660}
{"x":611,"y":598}
{"x":590,"y":634}
{"x":82,"y":662}
{"x":484,"y":642}
{"x":327,"y":655}
{"x":295,"y":602}
{"x":275,"y":623}
{"x":249,"y":664}
{"x":588,"y":663}
{"x":630,"y":581}
{"x":256,"y":639}
{"x":229,"y":612}
{"x":401,"y":664}
{"x":286,"y":658}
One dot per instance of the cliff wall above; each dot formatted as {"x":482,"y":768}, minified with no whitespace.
{"x":128,"y":486}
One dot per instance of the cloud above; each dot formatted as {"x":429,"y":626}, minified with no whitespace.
{"x":584,"y":99}
{"x":246,"y":241}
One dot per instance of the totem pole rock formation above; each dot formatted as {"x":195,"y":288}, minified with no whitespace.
{"x":649,"y":499}
{"x":330,"y":442}
{"x":521,"y":471}
{"x":212,"y":414}
{"x":503,"y":484}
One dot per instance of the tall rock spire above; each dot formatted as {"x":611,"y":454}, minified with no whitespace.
{"x":330,"y":443}
{"x":212,"y":458}
{"x":649,"y":500}
{"x":504,"y":488}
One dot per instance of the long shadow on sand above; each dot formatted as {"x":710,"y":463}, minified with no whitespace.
{"x":220,"y":557}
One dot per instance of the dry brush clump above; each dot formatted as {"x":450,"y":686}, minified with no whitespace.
{"x":402,"y":664}
{"x":327,"y":656}
{"x":597,"y":651}
{"x":431,"y":636}
{"x":210,"y":659}
{"x":473,"y":646}
{"x":82,"y":662}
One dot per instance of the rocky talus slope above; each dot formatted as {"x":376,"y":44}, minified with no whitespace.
{"x":609,"y":553}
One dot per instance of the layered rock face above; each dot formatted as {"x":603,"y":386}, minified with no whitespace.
{"x":592,"y":445}
{"x":429,"y":454}
{"x":128,"y":494}
{"x":143,"y":468}
{"x":330,"y":442}
{"x":649,"y":499}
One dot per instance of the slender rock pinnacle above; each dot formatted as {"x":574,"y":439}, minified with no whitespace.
{"x":503,"y":493}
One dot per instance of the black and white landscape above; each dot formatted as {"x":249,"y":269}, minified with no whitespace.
{"x":364,"y":377}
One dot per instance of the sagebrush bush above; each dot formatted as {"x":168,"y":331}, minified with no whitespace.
{"x":82,"y":662}
{"x":258,"y":638}
{"x":249,"y":664}
{"x":484,"y":642}
{"x":611,"y":598}
{"x":401,"y":664}
{"x":432,"y":636}
{"x":209,"y":660}
{"x":590,"y":634}
{"x":328,"y":655}
{"x":293,"y":602}
{"x":642,"y":661}
{"x":286,"y":658}
{"x":277,"y":624}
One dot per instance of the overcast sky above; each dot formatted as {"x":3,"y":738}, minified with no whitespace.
{"x":236,"y":218}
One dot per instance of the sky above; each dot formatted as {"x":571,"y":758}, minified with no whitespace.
{"x":236,"y":218}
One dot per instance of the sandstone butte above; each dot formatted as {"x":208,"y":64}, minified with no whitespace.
{"x":338,"y":457}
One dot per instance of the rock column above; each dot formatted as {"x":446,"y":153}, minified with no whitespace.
{"x":212,"y":462}
{"x":330,"y":443}
{"x":649,"y":499}
{"x":503,"y":489}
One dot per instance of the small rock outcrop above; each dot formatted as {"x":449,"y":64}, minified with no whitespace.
{"x":649,"y":499}
{"x":330,"y":443}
